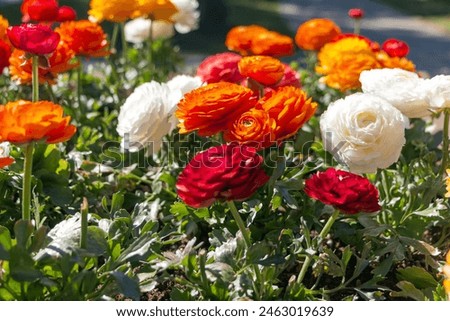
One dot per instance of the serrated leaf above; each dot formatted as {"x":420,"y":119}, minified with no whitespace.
{"x":408,"y":290}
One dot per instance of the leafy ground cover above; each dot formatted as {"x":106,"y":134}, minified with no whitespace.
{"x":112,"y":217}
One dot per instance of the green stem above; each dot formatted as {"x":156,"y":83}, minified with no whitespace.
{"x":51,"y":93}
{"x":79,"y":85}
{"x":124,"y":42}
{"x":445,"y":142}
{"x":26,"y":189}
{"x":357,"y":26}
{"x":115,"y":33}
{"x":150,"y":47}
{"x":35,"y":78}
{"x":84,"y":223}
{"x":325,"y":230}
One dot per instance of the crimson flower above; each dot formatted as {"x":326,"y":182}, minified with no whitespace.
{"x":348,"y":192}
{"x":220,"y":67}
{"x":5,"y":53}
{"x":356,"y":13}
{"x":225,"y":172}
{"x":34,"y":39}
{"x":395,"y":48}
{"x":39,"y":10}
{"x":66,"y":13}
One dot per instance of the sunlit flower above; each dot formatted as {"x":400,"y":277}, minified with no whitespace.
{"x":265,"y":70}
{"x":387,"y":61}
{"x":395,"y":48}
{"x":187,"y":17}
{"x":66,"y":13}
{"x":34,"y":39}
{"x":139,"y":30}
{"x":356,"y":13}
{"x":39,"y":10}
{"x":156,"y":9}
{"x":112,"y":10}
{"x":5,"y":159}
{"x":210,"y":108}
{"x":363,"y":132}
{"x":437,"y":91}
{"x":4,"y":24}
{"x":84,"y":37}
{"x":240,"y":38}
{"x":220,"y":67}
{"x":446,"y":271}
{"x":5,"y":53}
{"x":447,"y":183}
{"x":25,"y":121}
{"x":315,"y":33}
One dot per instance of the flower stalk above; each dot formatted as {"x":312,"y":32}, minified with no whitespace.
{"x":84,"y":223}
{"x":445,"y":142}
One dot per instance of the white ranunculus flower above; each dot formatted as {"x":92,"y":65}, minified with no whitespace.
{"x":364,"y":132}
{"x":4,"y":149}
{"x":186,"y":19}
{"x":148,"y":113}
{"x":138,"y":30}
{"x":403,"y":89}
{"x":438,"y":91}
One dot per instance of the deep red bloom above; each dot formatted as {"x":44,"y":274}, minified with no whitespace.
{"x":395,"y":48}
{"x":66,"y":13}
{"x":348,"y":192}
{"x":356,"y":13}
{"x":225,"y":172}
{"x":220,"y":67}
{"x":35,"y":39}
{"x":5,"y":53}
{"x":39,"y":10}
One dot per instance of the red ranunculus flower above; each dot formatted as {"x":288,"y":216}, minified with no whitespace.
{"x":35,"y":39}
{"x":348,"y":192}
{"x":220,"y":67}
{"x":5,"y":53}
{"x":356,"y":13}
{"x":395,"y":48}
{"x":66,"y":13}
{"x":39,"y":10}
{"x":225,"y":172}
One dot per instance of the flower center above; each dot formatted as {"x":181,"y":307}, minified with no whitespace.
{"x":247,"y":122}
{"x":365,"y":119}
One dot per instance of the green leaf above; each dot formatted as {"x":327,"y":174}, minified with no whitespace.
{"x":23,"y":229}
{"x":408,"y":290}
{"x":116,"y":202}
{"x":127,"y":286}
{"x":22,"y":265}
{"x":5,"y":243}
{"x":417,"y":276}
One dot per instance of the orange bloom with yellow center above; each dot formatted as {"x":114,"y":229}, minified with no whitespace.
{"x":4,"y":24}
{"x":257,"y":40}
{"x":315,"y":33}
{"x":343,"y":61}
{"x":61,"y":60}
{"x":26,"y":121}
{"x":290,"y":108}
{"x":264,"y":69}
{"x":210,"y":108}
{"x":84,"y":37}
{"x":387,"y":61}
{"x":254,"y":128}
{"x":156,"y":9}
{"x":113,"y":10}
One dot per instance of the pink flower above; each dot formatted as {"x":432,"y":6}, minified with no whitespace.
{"x":356,"y":13}
{"x":220,"y":67}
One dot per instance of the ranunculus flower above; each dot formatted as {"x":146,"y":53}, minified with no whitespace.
{"x":291,"y":109}
{"x":315,"y":33}
{"x":4,"y":24}
{"x":348,"y":192}
{"x":5,"y":53}
{"x":403,"y":89}
{"x":146,"y":116}
{"x":156,"y":9}
{"x":387,"y":61}
{"x":356,"y":13}
{"x":25,"y":121}
{"x":220,"y":67}
{"x":210,"y":108}
{"x":240,"y":38}
{"x":364,"y":132}
{"x":5,"y":160}
{"x":138,"y":30}
{"x":225,"y":172}
{"x":437,"y":90}
{"x":39,"y":10}
{"x":395,"y":48}
{"x":112,"y":10}
{"x":446,"y":271}
{"x":187,"y":17}
{"x":84,"y":37}
{"x":265,"y":70}
{"x":34,"y":39}
{"x":66,"y":13}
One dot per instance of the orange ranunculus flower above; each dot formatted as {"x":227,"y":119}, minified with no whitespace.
{"x":341,"y":62}
{"x":272,"y":43}
{"x":264,"y":69}
{"x":84,"y":37}
{"x":156,"y":9}
{"x":240,"y":38}
{"x":4,"y":24}
{"x":6,"y":161}
{"x":61,"y":60}
{"x":315,"y":33}
{"x":395,"y":62}
{"x":26,"y":121}
{"x":254,"y":128}
{"x":290,"y":108}
{"x":210,"y":108}
{"x":112,"y":10}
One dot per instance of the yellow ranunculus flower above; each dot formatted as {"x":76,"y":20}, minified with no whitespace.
{"x":113,"y":10}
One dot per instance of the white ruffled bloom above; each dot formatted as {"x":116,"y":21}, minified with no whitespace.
{"x":138,"y":30}
{"x":187,"y":17}
{"x":364,"y":132}
{"x":4,"y":149}
{"x":438,"y":91}
{"x":148,"y":113}
{"x":403,"y":89}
